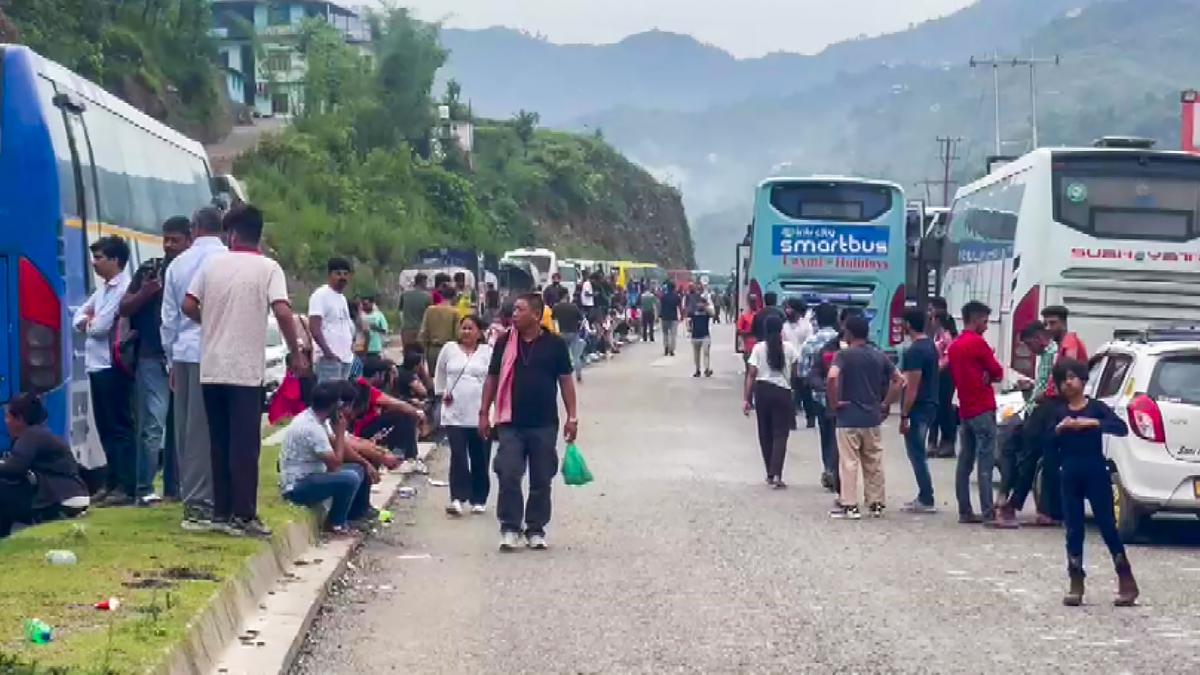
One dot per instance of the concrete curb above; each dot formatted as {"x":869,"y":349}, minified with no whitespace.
{"x":257,"y":621}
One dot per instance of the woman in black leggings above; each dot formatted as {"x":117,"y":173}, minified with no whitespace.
{"x":769,"y":391}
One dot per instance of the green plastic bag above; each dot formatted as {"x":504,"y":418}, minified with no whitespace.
{"x":574,"y":469}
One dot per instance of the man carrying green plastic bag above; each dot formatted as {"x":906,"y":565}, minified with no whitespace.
{"x":574,"y":468}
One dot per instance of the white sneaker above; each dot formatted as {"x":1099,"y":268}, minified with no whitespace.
{"x":537,"y":542}
{"x":149,"y":499}
{"x":407,"y":466}
{"x":509,"y":541}
{"x":419,"y":467}
{"x":478,"y":508}
{"x":455,"y":508}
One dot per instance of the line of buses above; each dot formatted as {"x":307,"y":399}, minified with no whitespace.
{"x":1111,"y":231}
{"x":544,"y":264}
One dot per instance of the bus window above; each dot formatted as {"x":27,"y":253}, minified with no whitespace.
{"x":1129,"y":197}
{"x":841,"y":202}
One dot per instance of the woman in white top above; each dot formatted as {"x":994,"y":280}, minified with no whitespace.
{"x":769,"y":386}
{"x":461,"y":370}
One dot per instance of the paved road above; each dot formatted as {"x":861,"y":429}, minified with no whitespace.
{"x":679,"y":559}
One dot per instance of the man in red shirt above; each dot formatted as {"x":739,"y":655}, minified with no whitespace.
{"x":974,"y":368}
{"x":745,"y":326}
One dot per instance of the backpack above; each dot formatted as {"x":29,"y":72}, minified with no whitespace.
{"x":822,"y":361}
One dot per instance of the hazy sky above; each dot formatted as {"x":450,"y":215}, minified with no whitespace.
{"x":744,"y":27}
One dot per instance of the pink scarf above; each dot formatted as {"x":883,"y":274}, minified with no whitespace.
{"x":508,"y":367}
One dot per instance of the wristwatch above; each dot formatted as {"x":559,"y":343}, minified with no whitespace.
{"x":573,"y":420}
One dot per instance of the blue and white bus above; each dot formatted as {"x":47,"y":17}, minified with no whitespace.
{"x":76,"y":163}
{"x":833,"y":239}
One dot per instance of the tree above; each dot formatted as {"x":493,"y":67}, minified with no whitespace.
{"x":526,"y":123}
{"x":452,"y":99}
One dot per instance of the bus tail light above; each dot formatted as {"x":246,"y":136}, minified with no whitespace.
{"x":896,"y":317}
{"x":1146,"y":420}
{"x":1026,"y":312}
{"x":40,"y":330}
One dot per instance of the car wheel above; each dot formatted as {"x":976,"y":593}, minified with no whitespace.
{"x":1129,"y":515}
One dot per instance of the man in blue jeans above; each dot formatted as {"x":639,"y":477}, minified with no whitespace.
{"x":974,"y":368}
{"x":142,"y":305}
{"x":919,"y":408}
{"x":313,"y":468}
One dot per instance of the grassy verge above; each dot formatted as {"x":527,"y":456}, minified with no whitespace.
{"x":163,"y":576}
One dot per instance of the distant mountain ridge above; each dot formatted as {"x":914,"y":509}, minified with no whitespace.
{"x":873,"y":107}
{"x":504,"y":69}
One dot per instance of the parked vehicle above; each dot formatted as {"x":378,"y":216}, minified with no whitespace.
{"x":276,"y":353}
{"x":1152,"y":379}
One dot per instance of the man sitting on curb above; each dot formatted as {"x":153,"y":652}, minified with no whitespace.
{"x":313,"y":469}
{"x":39,"y":479}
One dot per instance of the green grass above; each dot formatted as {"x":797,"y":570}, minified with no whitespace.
{"x":163,"y":576}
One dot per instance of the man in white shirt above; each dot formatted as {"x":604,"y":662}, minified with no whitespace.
{"x":181,"y":343}
{"x":111,"y":388}
{"x":330,"y":324}
{"x":230,"y":297}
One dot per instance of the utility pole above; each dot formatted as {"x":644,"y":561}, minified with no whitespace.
{"x":947,"y":153}
{"x":1032,"y":62}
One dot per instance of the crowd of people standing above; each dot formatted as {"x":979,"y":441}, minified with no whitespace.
{"x":822,"y":366}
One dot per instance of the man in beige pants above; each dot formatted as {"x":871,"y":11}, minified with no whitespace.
{"x":863,"y":384}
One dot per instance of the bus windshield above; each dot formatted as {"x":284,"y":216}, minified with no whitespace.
{"x":1128,"y":197}
{"x":568,"y":273}
{"x":540,"y":262}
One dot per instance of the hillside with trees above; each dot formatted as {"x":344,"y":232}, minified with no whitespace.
{"x":358,"y":173}
{"x":361,"y":171}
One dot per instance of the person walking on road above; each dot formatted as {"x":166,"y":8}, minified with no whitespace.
{"x":570,"y":326}
{"x":919,"y":408}
{"x":413,"y":304}
{"x":181,"y":338}
{"x":1078,"y":424}
{"x":796,"y":331}
{"x":974,"y":368}
{"x":863,"y":384}
{"x":376,"y":325}
{"x":671,"y":306}
{"x":942,"y":435}
{"x":768,"y":391}
{"x":745,"y":327}
{"x":438,"y":327}
{"x":529,"y":366}
{"x":331,"y":325}
{"x":229,"y":297}
{"x":814,"y":370}
{"x":462,"y":370}
{"x":698,"y":329}
{"x":648,"y":303}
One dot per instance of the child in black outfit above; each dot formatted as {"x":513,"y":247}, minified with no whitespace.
{"x":1079,"y":424}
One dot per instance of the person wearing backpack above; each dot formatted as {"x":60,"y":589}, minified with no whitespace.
{"x":813,"y":368}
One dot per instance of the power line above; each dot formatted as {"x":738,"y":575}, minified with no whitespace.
{"x":1032,"y":63}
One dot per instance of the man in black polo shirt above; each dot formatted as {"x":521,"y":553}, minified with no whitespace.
{"x":523,"y":381}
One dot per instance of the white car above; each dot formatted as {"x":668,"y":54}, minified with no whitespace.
{"x":276,"y":353}
{"x":1151,"y":379}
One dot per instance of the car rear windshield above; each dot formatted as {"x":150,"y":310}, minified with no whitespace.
{"x":1177,"y":380}
{"x":1129,"y":196}
{"x":843,"y":202}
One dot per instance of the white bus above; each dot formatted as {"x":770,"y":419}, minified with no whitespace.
{"x":543,"y":260}
{"x":1111,"y":232}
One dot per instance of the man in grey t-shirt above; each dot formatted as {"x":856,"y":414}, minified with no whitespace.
{"x":862,"y":385}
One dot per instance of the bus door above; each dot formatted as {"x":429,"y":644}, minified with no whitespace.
{"x":80,"y":279}
{"x":741,"y":282}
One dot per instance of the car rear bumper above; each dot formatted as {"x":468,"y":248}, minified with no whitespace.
{"x":1155,"y":479}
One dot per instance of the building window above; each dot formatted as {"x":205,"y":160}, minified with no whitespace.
{"x":279,"y":14}
{"x":279,"y":61}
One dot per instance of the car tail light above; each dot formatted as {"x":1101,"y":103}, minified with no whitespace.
{"x":1026,"y":312}
{"x":40,"y":330}
{"x":896,"y":317}
{"x":1146,"y":420}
